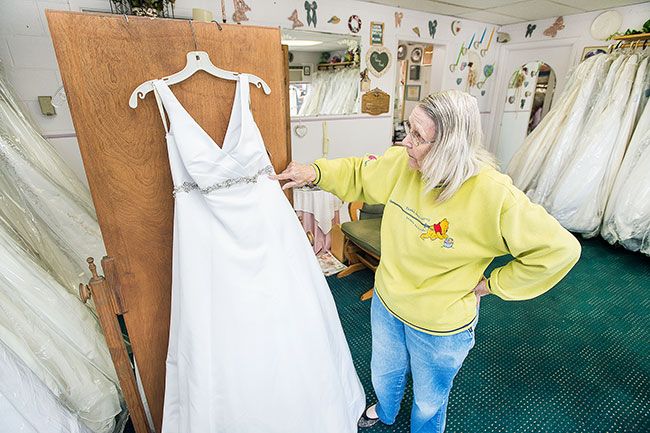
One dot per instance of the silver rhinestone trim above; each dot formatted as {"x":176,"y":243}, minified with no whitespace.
{"x":191,"y":186}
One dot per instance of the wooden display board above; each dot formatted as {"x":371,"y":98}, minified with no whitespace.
{"x":102,"y":59}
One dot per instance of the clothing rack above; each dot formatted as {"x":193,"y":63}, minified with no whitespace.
{"x":631,"y":41}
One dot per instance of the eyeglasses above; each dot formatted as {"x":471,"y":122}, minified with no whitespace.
{"x":415,"y":137}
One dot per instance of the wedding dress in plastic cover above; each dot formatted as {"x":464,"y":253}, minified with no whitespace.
{"x":627,"y":215}
{"x":562,"y":147}
{"x":531,"y":155}
{"x":628,"y":218}
{"x":27,"y":405}
{"x":332,"y":92}
{"x":42,"y":200}
{"x":255,"y":343}
{"x":574,"y":199}
{"x":56,"y":337}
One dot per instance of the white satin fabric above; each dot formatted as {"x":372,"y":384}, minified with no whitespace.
{"x":255,"y":344}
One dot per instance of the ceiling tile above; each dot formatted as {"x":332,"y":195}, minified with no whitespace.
{"x":536,"y":10}
{"x":480,"y":4}
{"x":490,"y":17}
{"x":594,"y":5}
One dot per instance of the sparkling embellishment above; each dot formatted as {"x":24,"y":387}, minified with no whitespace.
{"x":190,"y":186}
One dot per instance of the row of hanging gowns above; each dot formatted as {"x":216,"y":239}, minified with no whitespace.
{"x":42,"y":200}
{"x":332,"y":92}
{"x":578,"y":161}
{"x":49,"y":339}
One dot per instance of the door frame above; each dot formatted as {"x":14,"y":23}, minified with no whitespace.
{"x":442,"y":44}
{"x":498,"y":107}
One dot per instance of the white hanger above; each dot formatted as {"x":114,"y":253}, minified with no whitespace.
{"x":196,"y":61}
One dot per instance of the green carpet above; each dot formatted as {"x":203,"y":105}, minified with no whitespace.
{"x":576,"y":359}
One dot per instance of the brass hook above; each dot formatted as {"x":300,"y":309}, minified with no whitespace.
{"x":218,"y":25}
{"x":193,"y":36}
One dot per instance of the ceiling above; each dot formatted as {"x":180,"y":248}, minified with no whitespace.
{"x":506,"y":11}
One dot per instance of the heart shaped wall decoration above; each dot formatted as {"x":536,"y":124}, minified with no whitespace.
{"x":300,"y":130}
{"x":378,"y":60}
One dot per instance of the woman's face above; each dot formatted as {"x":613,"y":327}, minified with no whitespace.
{"x":418,"y":143}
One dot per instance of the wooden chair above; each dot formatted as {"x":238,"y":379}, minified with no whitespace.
{"x":362,"y":245}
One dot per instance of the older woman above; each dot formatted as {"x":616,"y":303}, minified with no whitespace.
{"x":448,"y":213}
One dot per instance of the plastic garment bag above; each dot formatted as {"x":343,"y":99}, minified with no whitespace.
{"x":56,"y":337}
{"x":42,"y":200}
{"x":574,"y":199}
{"x":563,"y":147}
{"x":27,"y":405}
{"x":527,"y":162}
{"x":332,"y":92}
{"x":628,"y":213}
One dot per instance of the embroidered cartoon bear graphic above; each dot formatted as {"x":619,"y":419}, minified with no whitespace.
{"x":437,"y":231}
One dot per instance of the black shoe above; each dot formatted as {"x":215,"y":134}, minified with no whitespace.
{"x":365,"y":421}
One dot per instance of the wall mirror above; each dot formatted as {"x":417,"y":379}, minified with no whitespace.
{"x":323,"y":73}
{"x":528,"y":99}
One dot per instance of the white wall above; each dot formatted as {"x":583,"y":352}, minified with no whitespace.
{"x":27,"y":54}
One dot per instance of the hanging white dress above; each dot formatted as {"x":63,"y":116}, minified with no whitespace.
{"x":614,"y":221}
{"x":256,"y":345}
{"x":562,"y":147}
{"x":574,"y":199}
{"x":43,"y":201}
{"x":628,"y":221}
{"x":529,"y":159}
{"x":27,"y":405}
{"x":57,"y":337}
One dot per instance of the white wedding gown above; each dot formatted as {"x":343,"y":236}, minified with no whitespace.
{"x":562,"y":146}
{"x":27,"y":405}
{"x":579,"y":197}
{"x":529,"y":159}
{"x":255,"y":345}
{"x":43,"y":201}
{"x":56,"y":337}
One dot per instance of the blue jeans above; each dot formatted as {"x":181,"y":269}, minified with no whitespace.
{"x":432,"y":360}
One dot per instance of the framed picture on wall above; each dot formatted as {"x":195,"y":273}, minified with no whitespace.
{"x":428,"y":55}
{"x":412,"y":92}
{"x":416,"y":55}
{"x":592,"y":51}
{"x":376,"y":33}
{"x":414,"y":73}
{"x":306,"y":70}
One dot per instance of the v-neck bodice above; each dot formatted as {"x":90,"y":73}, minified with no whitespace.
{"x":196,"y":159}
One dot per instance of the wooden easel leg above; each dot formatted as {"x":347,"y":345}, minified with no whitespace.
{"x":105,"y":303}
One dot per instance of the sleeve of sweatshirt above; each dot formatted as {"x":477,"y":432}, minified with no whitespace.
{"x":544,"y":252}
{"x":370,"y":179}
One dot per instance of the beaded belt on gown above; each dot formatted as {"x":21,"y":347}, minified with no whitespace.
{"x":190,"y":186}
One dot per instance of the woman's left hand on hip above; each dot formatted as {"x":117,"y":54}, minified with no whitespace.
{"x":481,"y":288}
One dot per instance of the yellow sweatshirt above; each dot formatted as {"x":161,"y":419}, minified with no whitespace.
{"x":433,"y":254}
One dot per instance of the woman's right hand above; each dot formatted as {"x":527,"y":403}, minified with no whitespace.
{"x":297,"y":174}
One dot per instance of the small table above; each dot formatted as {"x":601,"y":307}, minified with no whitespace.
{"x":318,"y":211}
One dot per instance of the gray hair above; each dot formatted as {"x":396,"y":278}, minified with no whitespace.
{"x":457,"y":152}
